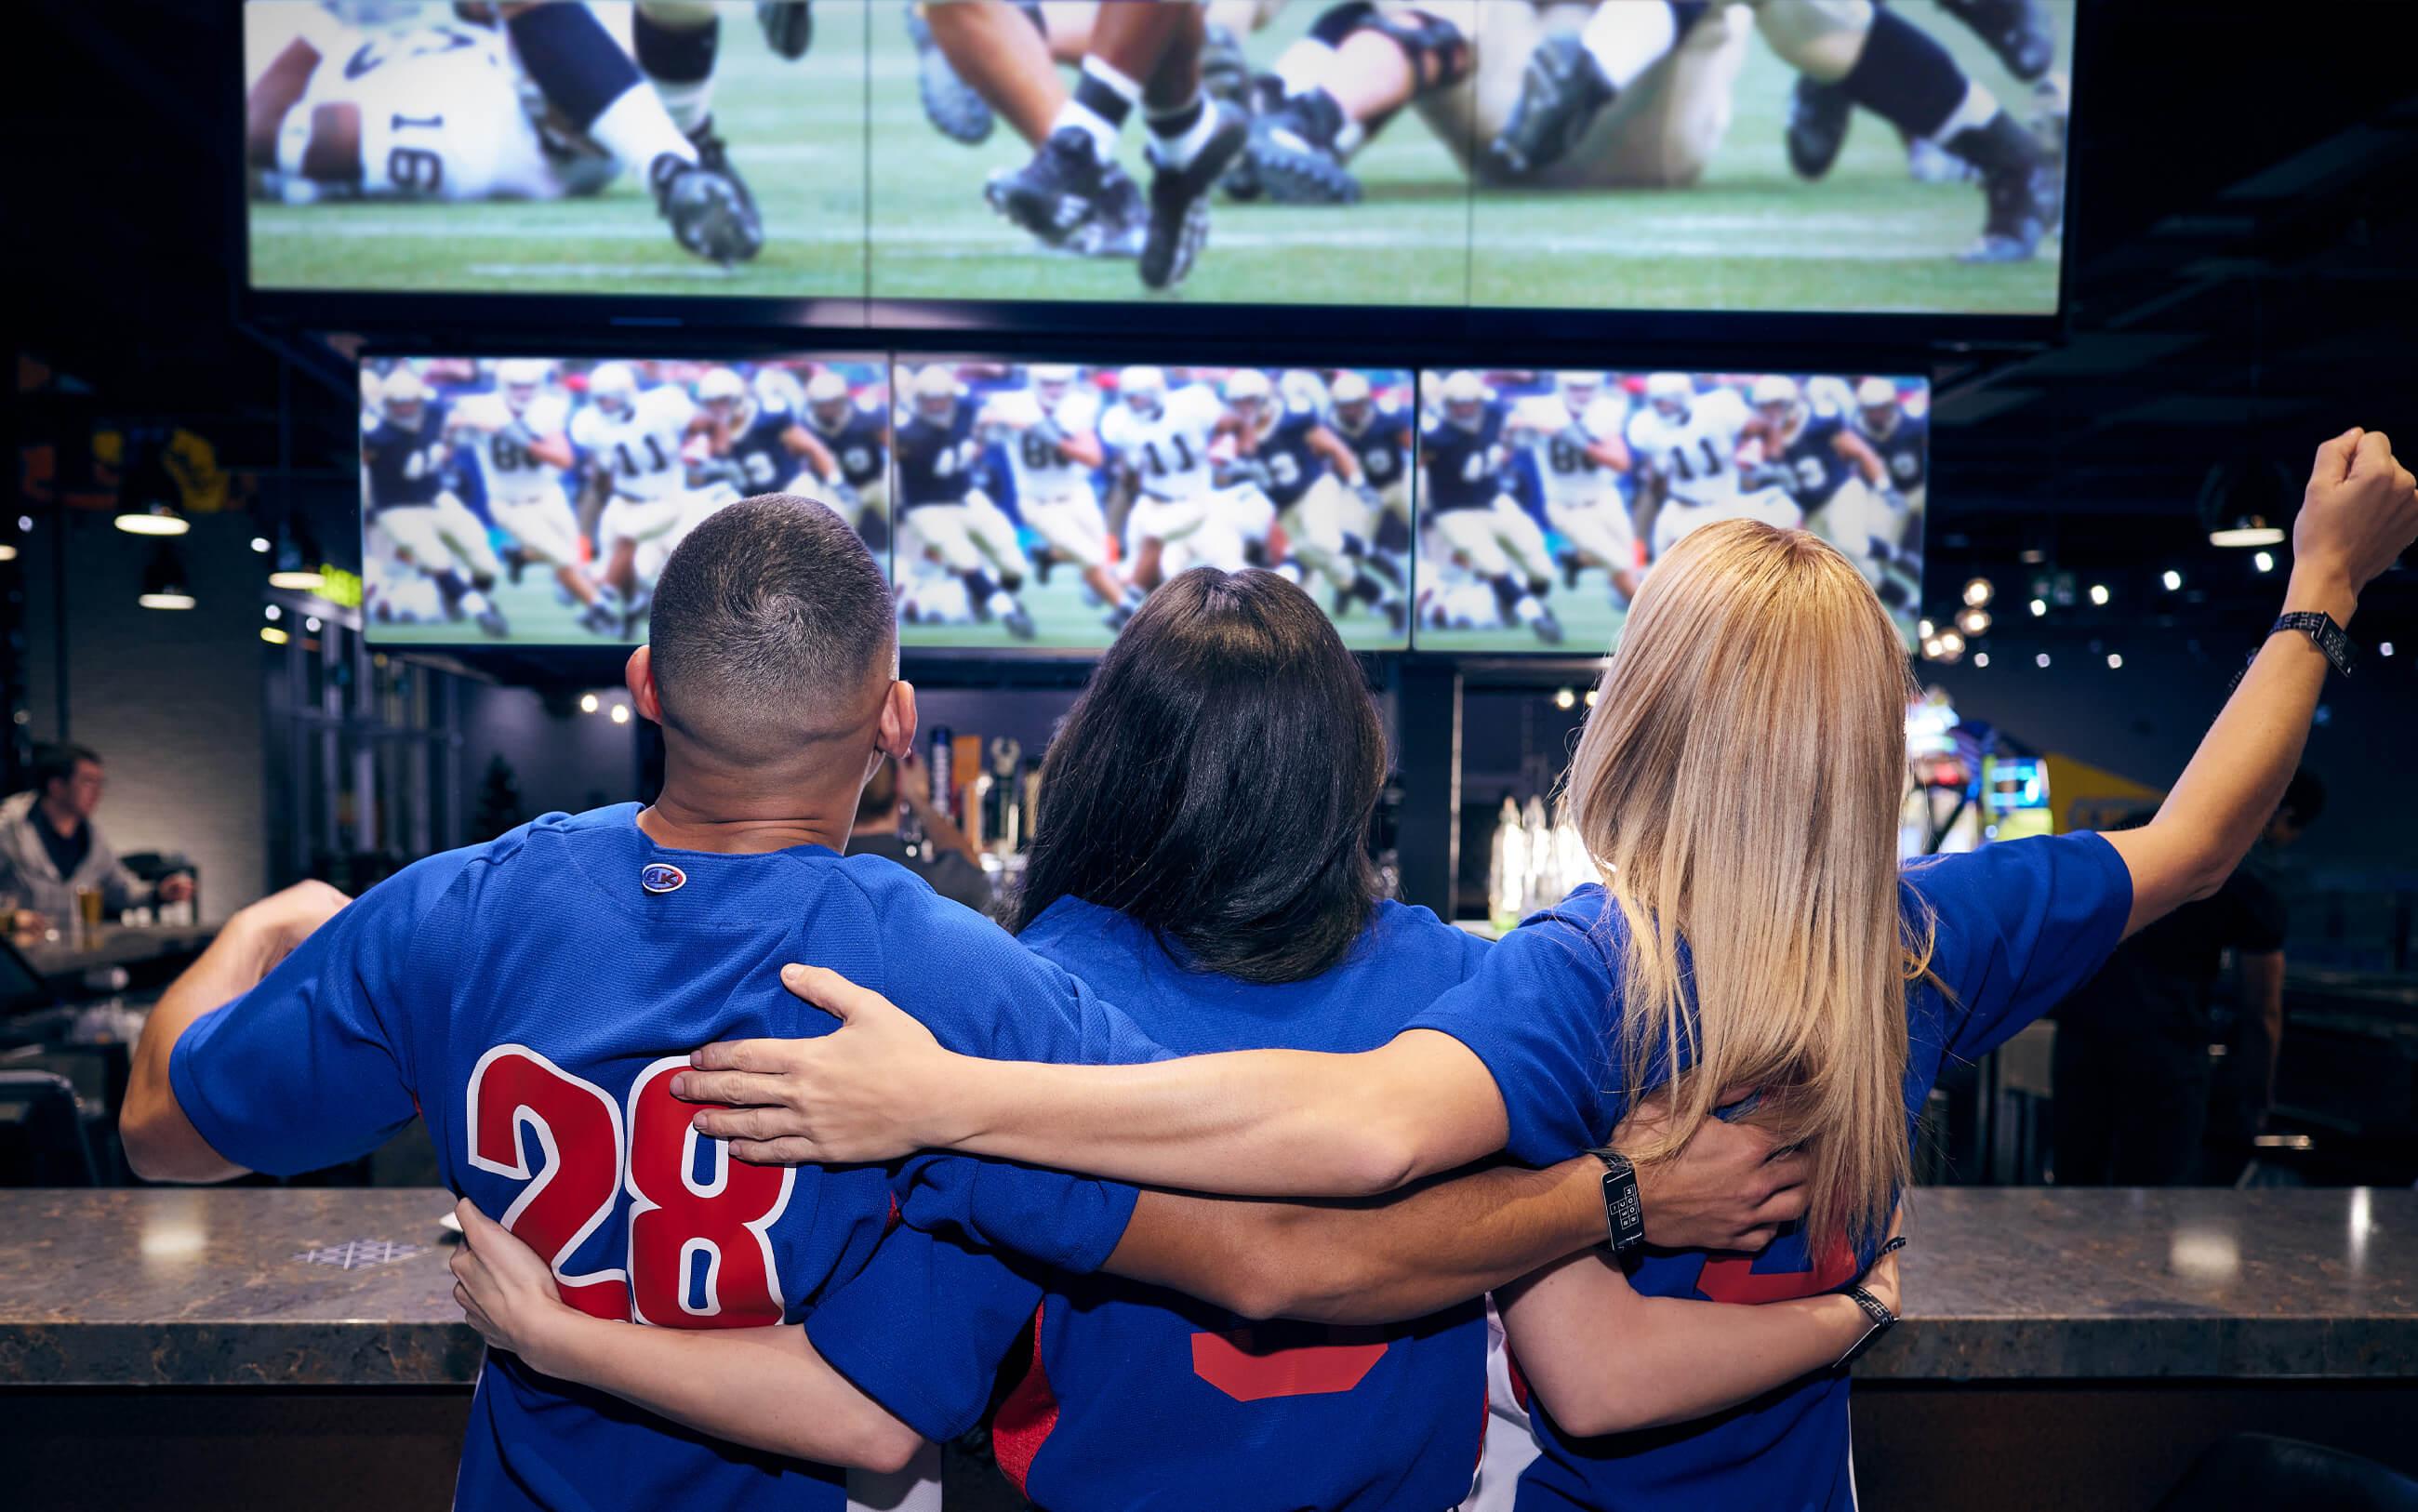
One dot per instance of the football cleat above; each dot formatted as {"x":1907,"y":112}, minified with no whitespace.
{"x":711,"y":211}
{"x":1572,"y":565}
{"x":1561,"y":91}
{"x":1118,"y":227}
{"x":950,"y":103}
{"x":1818,"y":116}
{"x":1179,"y":202}
{"x":789,"y":26}
{"x":1264,"y":96}
{"x":1294,"y":159}
{"x":1063,"y":188}
{"x":491,"y":619}
{"x":1547,"y":628}
{"x":1017,"y":623}
{"x":2021,"y":184}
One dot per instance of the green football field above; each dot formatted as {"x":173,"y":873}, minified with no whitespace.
{"x":1590,"y":619}
{"x":1750,"y":237}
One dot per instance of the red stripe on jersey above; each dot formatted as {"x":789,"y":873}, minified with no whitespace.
{"x":1518,"y":1383}
{"x":1025,"y":1419}
{"x":895,"y":1217}
{"x":1735,"y":1280}
{"x":1245,"y":1366}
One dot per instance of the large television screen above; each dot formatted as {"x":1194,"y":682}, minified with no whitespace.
{"x":1038,"y":503}
{"x":1545,"y":499}
{"x":1631,"y":154}
{"x":535,"y":501}
{"x":573,"y":148}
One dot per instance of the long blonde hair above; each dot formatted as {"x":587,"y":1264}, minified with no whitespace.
{"x":1738,"y":784}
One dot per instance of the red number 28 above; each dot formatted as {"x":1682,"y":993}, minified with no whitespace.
{"x":676,"y":1222}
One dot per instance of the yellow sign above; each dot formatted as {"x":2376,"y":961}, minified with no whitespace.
{"x":338,"y":587}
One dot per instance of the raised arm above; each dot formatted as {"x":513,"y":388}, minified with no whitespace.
{"x":2358,"y":516}
{"x":766,"y":1388}
{"x":1251,"y":1122}
{"x":1605,"y":1360}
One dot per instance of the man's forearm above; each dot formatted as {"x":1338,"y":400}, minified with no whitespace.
{"x":161,"y":1141}
{"x":1378,"y":1262}
{"x":766,"y":1388}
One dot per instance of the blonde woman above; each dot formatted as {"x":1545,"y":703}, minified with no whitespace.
{"x":1738,"y":782}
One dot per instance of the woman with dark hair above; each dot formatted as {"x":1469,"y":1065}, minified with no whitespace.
{"x":1200,"y":861}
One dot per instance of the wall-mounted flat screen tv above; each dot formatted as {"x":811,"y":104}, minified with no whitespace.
{"x":1790,"y":156}
{"x":1545,"y":499}
{"x":1037,"y":504}
{"x":535,"y":501}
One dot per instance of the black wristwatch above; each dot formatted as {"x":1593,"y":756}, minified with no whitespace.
{"x":2330,"y":638}
{"x":1624,"y":1214}
{"x":1880,"y":1319}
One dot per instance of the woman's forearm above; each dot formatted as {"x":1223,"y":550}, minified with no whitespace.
{"x":762,"y":1387}
{"x":1605,"y":1360}
{"x":1249,"y":1122}
{"x":2229,"y":791}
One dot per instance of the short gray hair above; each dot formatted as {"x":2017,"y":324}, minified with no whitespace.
{"x":769,"y":621}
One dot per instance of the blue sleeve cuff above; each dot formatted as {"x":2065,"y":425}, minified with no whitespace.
{"x":219,"y":1129}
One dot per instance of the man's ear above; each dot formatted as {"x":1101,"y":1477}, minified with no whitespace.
{"x":640,"y":674}
{"x":895,"y":734}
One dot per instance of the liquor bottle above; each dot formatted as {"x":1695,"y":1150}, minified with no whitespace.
{"x":942,"y":770}
{"x":1506,"y":867}
{"x":1003,"y":798}
{"x":1543,"y":874}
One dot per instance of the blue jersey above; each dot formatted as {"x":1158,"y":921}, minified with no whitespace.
{"x":532,"y":998}
{"x":1811,"y":468}
{"x":1141,"y":1398}
{"x":1905,"y":452}
{"x":1292,"y":462}
{"x":860,"y":444}
{"x":762,"y":451}
{"x":1382,"y":446}
{"x":406,"y":463}
{"x":2018,"y":926}
{"x":937,"y":460}
{"x":1465,"y":464}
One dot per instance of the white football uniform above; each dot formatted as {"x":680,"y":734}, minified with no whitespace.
{"x":1168,"y":455}
{"x":1054,"y":492}
{"x":1581,"y":498}
{"x":641,"y":452}
{"x":444,"y":115}
{"x":1695,"y":455}
{"x":524,"y":493}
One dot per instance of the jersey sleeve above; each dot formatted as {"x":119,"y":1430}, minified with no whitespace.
{"x":2016,"y":927}
{"x":922,"y":1328}
{"x":315,"y":1065}
{"x":1539,"y":1013}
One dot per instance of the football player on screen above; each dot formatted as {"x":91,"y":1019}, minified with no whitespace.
{"x":1182,"y":516}
{"x":2020,"y":32}
{"x":1378,"y":431}
{"x":1686,"y":446}
{"x":405,"y":455}
{"x":943,"y":519}
{"x":1306,"y":473}
{"x":634,"y":445}
{"x":1877,"y":58}
{"x":1148,"y":56}
{"x":1473,"y":523}
{"x":1836,"y":478}
{"x":1574,"y":436}
{"x":518,"y":432}
{"x":1050,"y":430}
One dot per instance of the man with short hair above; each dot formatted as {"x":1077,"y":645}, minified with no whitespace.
{"x":534,"y":997}
{"x":51,"y":849}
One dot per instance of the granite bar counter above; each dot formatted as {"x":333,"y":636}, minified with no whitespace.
{"x":2060,"y":1344}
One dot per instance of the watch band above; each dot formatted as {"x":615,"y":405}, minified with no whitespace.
{"x":1882,"y":1320}
{"x":2330,"y":637}
{"x":1624,"y":1214}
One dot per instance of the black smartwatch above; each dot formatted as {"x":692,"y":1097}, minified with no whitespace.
{"x":1624,"y":1214}
{"x":2330,"y":638}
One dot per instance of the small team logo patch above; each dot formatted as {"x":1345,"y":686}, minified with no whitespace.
{"x":663,"y":877}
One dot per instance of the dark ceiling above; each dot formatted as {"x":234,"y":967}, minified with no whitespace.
{"x":2244,"y":240}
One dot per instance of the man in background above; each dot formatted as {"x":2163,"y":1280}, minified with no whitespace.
{"x":2133,"y":1075}
{"x":51,"y":849}
{"x":946,"y":859}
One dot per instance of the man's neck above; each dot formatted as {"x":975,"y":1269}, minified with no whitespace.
{"x":682,"y":821}
{"x":64,"y":821}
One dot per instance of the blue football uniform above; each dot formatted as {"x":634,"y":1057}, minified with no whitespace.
{"x":860,"y":445}
{"x":1810,"y":467}
{"x":1464,"y":466}
{"x":1138,"y":1397}
{"x":532,"y":998}
{"x":937,"y":461}
{"x":1905,"y":452}
{"x":406,"y":463}
{"x":1292,"y":462}
{"x":761,"y":451}
{"x":1382,"y":446}
{"x":2018,"y":926}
